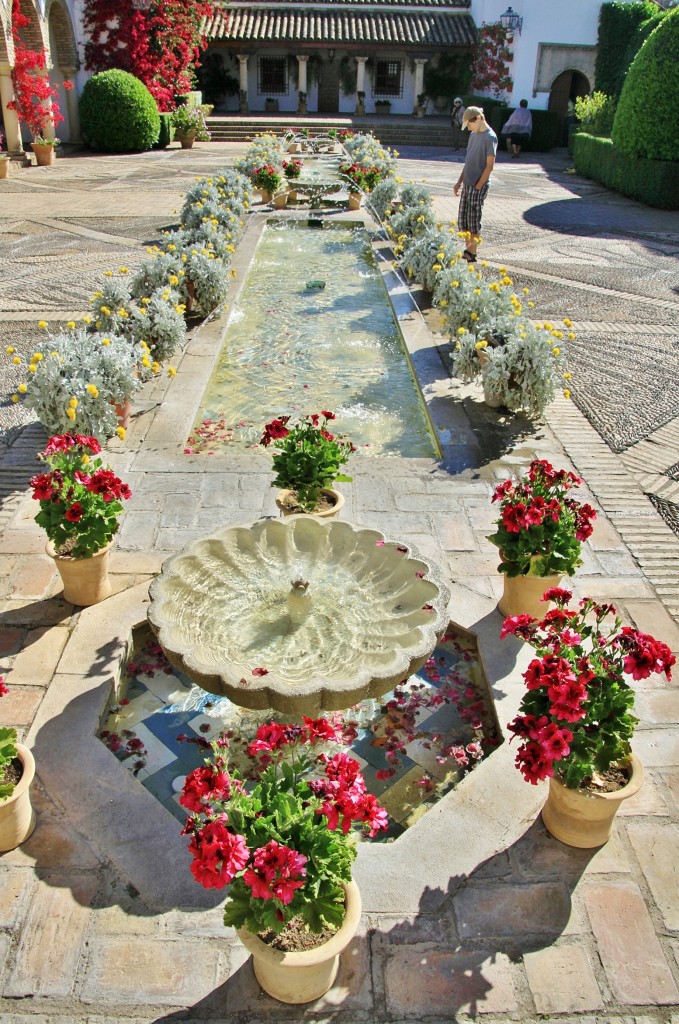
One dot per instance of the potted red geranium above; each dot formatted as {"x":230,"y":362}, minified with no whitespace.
{"x":282,"y":842}
{"x":307,"y":462}
{"x":80,"y":504}
{"x":17,"y":770}
{"x":575,"y":722}
{"x":540,"y":532}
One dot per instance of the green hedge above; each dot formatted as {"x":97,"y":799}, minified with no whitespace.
{"x":646,"y":122}
{"x":546,"y":128}
{"x":166,"y":132}
{"x":618,"y":25}
{"x":118,"y":114}
{"x":654,"y":182}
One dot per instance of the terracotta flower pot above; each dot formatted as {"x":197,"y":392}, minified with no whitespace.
{"x":329,"y":513}
{"x":185,"y":139}
{"x":280,"y":200}
{"x":17,"y":817}
{"x":123,"y":412}
{"x":45,"y":155}
{"x":85,"y":580}
{"x":522,"y":595}
{"x":307,"y":975}
{"x":354,"y":201}
{"x":4,"y":166}
{"x":266,"y":196}
{"x":578,"y":818}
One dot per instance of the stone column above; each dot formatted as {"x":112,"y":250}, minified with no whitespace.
{"x":302,"y":81}
{"x":12,"y":128}
{"x":72,"y":106}
{"x":243,"y":61}
{"x":419,"y":76}
{"x":360,"y":74}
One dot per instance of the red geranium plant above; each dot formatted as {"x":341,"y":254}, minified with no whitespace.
{"x":309,"y":457}
{"x":576,"y":718}
{"x":283,"y":841}
{"x":540,"y":529}
{"x":80,"y":499}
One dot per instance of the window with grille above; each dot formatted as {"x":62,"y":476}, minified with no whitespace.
{"x":272,"y":76}
{"x":388,"y":78}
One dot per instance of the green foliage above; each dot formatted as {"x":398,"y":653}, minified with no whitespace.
{"x":618,"y":42}
{"x":596,"y":112}
{"x":449,"y":77}
{"x":8,"y":751}
{"x":118,"y":114}
{"x":308,"y":456}
{"x":647,"y":119}
{"x":655,"y":182}
{"x":166,"y":132}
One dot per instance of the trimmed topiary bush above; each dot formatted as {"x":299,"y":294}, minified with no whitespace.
{"x":647,"y":118}
{"x":546,"y":129}
{"x":655,"y":182}
{"x":617,"y":38}
{"x":118,"y":114}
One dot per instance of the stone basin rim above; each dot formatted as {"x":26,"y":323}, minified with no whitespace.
{"x":274,"y":690}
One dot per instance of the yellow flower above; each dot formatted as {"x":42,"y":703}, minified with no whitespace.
{"x":548,"y":326}
{"x":502,"y":270}
{"x":556,"y":351}
{"x":473,"y":316}
{"x":71,"y":414}
{"x":171,"y":371}
{"x":567,"y":376}
{"x":173,"y":279}
{"x":455,"y":284}
{"x":37,"y":357}
{"x":93,"y":390}
{"x":73,"y":402}
{"x":9,"y":350}
{"x":530,"y":305}
{"x":484,"y":263}
{"x":233,"y":273}
{"x":121,"y":432}
{"x":567,"y":322}
{"x":98,"y":295}
{"x":22,"y":389}
{"x":505,"y":280}
{"x":145,"y":361}
{"x":105,"y":310}
{"x":437,"y":266}
{"x":557,"y":334}
{"x":123,"y":270}
{"x":97,"y":324}
{"x":566,"y":393}
{"x":571,"y":335}
{"x":179,"y":308}
{"x":71,"y":324}
{"x":420,"y":219}
{"x":477,"y":291}
{"x":42,"y":324}
{"x":461,"y":331}
{"x":443,"y":303}
{"x":84,"y":459}
{"x":525,"y":291}
{"x":457,"y":347}
{"x":106,"y":341}
{"x":15,"y":398}
{"x":171,"y":247}
{"x":32,"y":368}
{"x":108,"y":273}
{"x":156,"y":367}
{"x":481,"y":344}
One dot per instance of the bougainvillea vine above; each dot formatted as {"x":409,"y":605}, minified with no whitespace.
{"x":35,"y":98}
{"x":490,"y":61}
{"x":160,"y":45}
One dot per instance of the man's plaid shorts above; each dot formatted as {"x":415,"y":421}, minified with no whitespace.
{"x":471,"y":205}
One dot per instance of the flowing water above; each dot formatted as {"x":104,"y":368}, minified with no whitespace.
{"x":294,"y":349}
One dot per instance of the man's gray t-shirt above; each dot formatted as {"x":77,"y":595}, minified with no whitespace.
{"x":480,"y":146}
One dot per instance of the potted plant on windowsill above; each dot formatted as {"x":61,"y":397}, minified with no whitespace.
{"x":285,"y":849}
{"x":307,"y":462}
{"x":80,"y":504}
{"x":575,"y":722}
{"x":539,"y":533}
{"x":17,"y":771}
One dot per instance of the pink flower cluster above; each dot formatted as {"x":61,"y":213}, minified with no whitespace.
{"x":277,"y":871}
{"x":530,"y":503}
{"x":344,"y":796}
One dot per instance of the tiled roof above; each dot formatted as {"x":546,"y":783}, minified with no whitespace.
{"x":352,"y":24}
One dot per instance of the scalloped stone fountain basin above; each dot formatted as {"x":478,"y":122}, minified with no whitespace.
{"x":298,"y":615}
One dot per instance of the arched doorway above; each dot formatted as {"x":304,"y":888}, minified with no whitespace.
{"x":566,"y":88}
{"x":64,"y":55}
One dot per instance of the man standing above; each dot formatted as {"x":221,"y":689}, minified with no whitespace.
{"x":456,"y":123}
{"x":475,"y":176}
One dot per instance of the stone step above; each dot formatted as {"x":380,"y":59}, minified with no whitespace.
{"x":391,"y":131}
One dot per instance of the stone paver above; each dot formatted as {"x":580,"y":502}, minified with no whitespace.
{"x":534,"y":930}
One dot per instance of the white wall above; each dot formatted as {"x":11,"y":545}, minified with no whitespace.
{"x":544,"y":21}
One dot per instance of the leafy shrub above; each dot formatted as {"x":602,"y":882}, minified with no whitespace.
{"x":166,"y":132}
{"x":546,"y":128}
{"x":655,"y":182}
{"x":647,"y":119}
{"x":596,"y":112}
{"x":118,"y":114}
{"x":618,"y":24}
